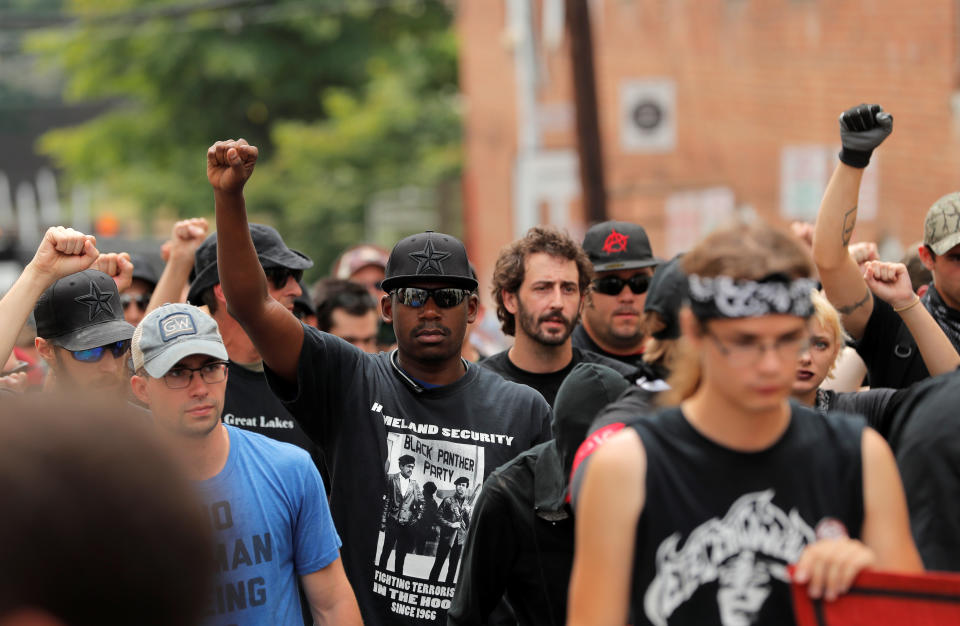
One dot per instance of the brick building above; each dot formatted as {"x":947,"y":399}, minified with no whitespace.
{"x":707,"y":108}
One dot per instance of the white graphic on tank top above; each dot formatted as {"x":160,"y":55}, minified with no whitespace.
{"x":742,"y":553}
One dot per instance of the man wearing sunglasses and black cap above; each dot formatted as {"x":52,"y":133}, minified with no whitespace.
{"x":613,"y":309}
{"x":249,"y":403}
{"x":81,"y":334}
{"x":422,"y":400}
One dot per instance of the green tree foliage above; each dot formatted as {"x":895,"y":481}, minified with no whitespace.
{"x":344,"y":98}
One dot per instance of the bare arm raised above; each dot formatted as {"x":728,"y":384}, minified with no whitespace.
{"x":862,"y":129}
{"x":186,"y":237}
{"x":276,"y":333}
{"x":63,"y":251}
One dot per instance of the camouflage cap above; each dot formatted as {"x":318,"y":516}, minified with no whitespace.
{"x":941,"y":228}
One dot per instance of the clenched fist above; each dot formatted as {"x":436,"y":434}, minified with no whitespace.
{"x":862,"y":129}
{"x":230,"y":164}
{"x":63,"y":251}
{"x":117,"y":266}
{"x":186,"y":237}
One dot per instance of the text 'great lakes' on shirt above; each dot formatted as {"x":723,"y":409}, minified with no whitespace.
{"x":367,"y":414}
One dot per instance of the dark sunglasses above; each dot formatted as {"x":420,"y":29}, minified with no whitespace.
{"x":141,"y":301}
{"x":444,"y":297}
{"x":92,"y":355}
{"x":613,"y":285}
{"x":280,"y":275}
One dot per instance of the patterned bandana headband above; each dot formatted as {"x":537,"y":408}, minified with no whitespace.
{"x":723,"y":296}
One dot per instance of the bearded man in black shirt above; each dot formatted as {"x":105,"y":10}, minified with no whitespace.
{"x":368,"y":411}
{"x":539,"y":284}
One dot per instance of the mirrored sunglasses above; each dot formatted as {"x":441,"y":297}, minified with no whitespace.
{"x":92,"y":355}
{"x":444,"y":297}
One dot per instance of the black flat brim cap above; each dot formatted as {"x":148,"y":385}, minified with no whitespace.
{"x":428,"y":257}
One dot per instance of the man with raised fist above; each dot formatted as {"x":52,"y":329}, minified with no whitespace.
{"x":883,"y":340}
{"x":81,"y":333}
{"x":373,"y":413}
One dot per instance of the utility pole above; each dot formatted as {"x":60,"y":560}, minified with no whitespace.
{"x":589,"y":143}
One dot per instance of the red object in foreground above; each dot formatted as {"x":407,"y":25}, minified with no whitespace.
{"x":879,"y":598}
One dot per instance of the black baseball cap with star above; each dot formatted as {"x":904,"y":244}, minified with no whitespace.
{"x":82,"y":311}
{"x":428,"y":257}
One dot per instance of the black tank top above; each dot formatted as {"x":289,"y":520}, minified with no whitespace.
{"x":719,"y":526}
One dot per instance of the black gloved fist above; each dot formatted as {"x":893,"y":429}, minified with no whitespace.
{"x":863,"y":128}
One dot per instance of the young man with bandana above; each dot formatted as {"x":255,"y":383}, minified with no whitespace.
{"x":693,"y":514}
{"x":883,"y":339}
{"x":367,"y":411}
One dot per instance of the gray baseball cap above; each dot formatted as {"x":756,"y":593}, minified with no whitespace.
{"x":172,"y":332}
{"x":941,"y":228}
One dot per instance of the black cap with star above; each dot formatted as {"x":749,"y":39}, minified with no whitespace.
{"x":428,"y":257}
{"x":82,"y":311}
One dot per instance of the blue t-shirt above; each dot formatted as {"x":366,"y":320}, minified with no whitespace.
{"x":271,"y":523}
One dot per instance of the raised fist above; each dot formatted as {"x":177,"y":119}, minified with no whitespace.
{"x":890,"y":282}
{"x":862,"y":251}
{"x":117,"y":266}
{"x":862,"y":129}
{"x":230,"y":164}
{"x":186,"y":237}
{"x":63,"y":251}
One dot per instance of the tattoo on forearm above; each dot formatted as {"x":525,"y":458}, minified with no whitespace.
{"x":849,"y":221}
{"x":850,"y":308}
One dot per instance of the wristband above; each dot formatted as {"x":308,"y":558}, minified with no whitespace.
{"x":855,"y":158}
{"x":915,"y":302}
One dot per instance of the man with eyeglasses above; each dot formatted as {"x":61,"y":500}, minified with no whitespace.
{"x":249,"y":402}
{"x":539,"y":282}
{"x":612,"y":322}
{"x":265,"y":500}
{"x":369,"y":410}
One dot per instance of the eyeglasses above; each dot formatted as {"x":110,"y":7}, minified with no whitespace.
{"x":748,"y":351}
{"x":613,"y":285}
{"x":210,"y":373}
{"x":444,"y":297}
{"x":280,"y":275}
{"x":92,"y":355}
{"x":141,"y":301}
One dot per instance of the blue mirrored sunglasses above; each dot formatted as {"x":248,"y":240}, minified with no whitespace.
{"x":92,"y":355}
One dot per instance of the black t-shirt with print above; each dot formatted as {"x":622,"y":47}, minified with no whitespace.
{"x":250,"y":405}
{"x":366,"y":413}
{"x":719,"y":526}
{"x":549,"y":384}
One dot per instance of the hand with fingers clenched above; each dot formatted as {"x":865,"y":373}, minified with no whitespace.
{"x":63,"y":251}
{"x":230,"y":164}
{"x":862,"y":129}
